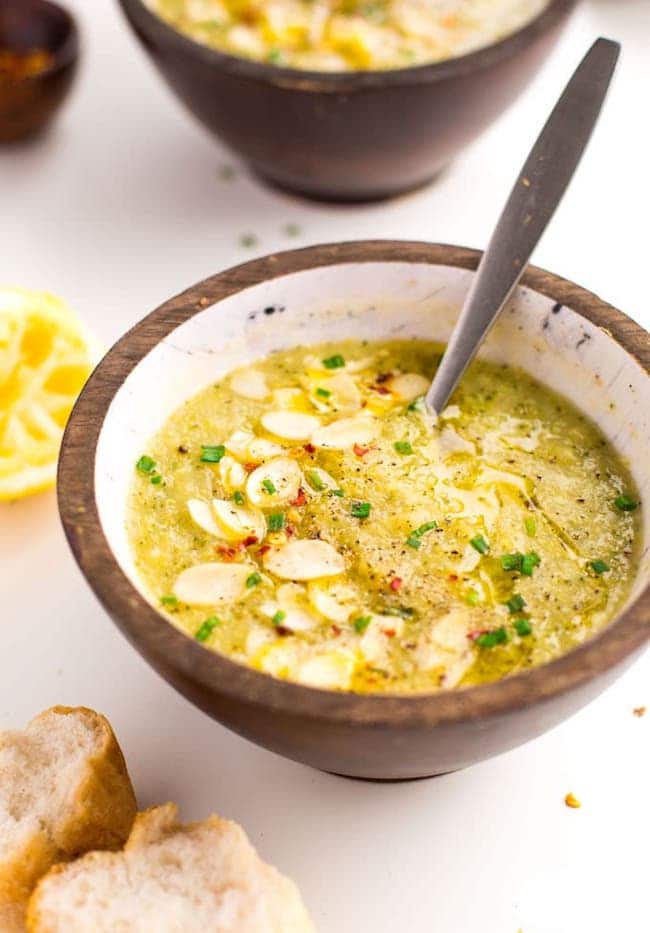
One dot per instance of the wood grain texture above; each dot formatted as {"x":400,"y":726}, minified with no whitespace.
{"x":385,"y":737}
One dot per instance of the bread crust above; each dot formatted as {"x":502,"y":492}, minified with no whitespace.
{"x":282,"y":898}
{"x":99,"y":816}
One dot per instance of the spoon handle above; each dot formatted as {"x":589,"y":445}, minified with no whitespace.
{"x":533,"y":201}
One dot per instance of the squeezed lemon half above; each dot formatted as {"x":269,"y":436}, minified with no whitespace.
{"x":45,"y":359}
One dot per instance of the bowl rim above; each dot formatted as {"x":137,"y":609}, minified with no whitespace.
{"x":181,"y":657}
{"x":349,"y":81}
{"x":66,"y":52}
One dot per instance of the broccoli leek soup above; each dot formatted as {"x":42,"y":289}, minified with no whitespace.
{"x":304,"y":517}
{"x":344,"y":35}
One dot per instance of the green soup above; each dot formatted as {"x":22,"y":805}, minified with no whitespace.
{"x":303,"y":517}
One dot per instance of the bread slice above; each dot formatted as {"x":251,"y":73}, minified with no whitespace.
{"x":64,"y":790}
{"x":199,"y":878}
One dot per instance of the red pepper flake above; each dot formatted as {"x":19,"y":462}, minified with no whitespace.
{"x":383,"y":377}
{"x":309,"y":448}
{"x":453,"y":577}
{"x":301,"y":498}
{"x":282,"y":631}
{"x":476,"y":633}
{"x":396,"y":584}
{"x":250,"y":540}
{"x":390,"y":632}
{"x":264,"y":549}
{"x":380,"y":390}
{"x":336,"y":631}
{"x":228,"y":554}
{"x":360,"y":451}
{"x":289,"y":530}
{"x":249,"y":467}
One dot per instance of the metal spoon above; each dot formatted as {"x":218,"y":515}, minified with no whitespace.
{"x":533,"y":201}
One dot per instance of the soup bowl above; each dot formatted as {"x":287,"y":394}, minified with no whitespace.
{"x":567,"y":337}
{"x":347,"y":136}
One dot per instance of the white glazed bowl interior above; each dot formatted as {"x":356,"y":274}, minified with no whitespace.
{"x":371,"y":300}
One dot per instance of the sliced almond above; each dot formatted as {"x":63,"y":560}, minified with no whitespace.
{"x":238,"y":522}
{"x":202,"y":515}
{"x":345,"y":393}
{"x":238,"y":443}
{"x":274,"y":483}
{"x":211,"y":584}
{"x":304,"y":560}
{"x":290,"y":425}
{"x":334,"y":599}
{"x":376,"y":642}
{"x":293,"y":617}
{"x":450,"y":413}
{"x":232,"y":474}
{"x":249,"y":383}
{"x":330,"y":671}
{"x":346,"y":432}
{"x":409,"y":385}
{"x":260,"y":450}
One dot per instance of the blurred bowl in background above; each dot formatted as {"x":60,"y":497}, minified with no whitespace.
{"x":348,"y":136}
{"x":43,"y":41}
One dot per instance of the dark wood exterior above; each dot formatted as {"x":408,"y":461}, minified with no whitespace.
{"x":378,"y":737}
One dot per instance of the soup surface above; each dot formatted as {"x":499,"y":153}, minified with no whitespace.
{"x":304,"y":517}
{"x":344,"y":35}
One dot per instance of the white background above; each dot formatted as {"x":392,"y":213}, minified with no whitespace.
{"x":121,"y":206}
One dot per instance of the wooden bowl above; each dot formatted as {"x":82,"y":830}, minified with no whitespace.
{"x":569,"y":338}
{"x":29,"y":104}
{"x":347,"y":136}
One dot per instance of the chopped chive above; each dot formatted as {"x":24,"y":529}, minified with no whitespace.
{"x":207,"y":628}
{"x":169,"y":600}
{"x":523,"y":627}
{"x":338,"y":492}
{"x":145,"y":465}
{"x":156,"y":479}
{"x":292,"y":229}
{"x":275,"y":522}
{"x":531,"y":527}
{"x":362,"y":623}
{"x":529,"y":562}
{"x":472,"y":598}
{"x":274,"y":56}
{"x":417,"y":404}
{"x":323,"y":393}
{"x":511,"y":561}
{"x":279,"y":617}
{"x":516,"y":603}
{"x":360,"y":509}
{"x":210,"y":454}
{"x":403,"y":612}
{"x":239,"y":497}
{"x":413,"y":539}
{"x":334,"y":362}
{"x":253,"y":580}
{"x":315,"y":481}
{"x":248,"y":240}
{"x":626,"y":503}
{"x":480,"y":544}
{"x":269,"y":487}
{"x":497,"y":636}
{"x":600,"y":566}
{"x":403,"y":447}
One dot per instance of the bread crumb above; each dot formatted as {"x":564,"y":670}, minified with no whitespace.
{"x":572,"y":801}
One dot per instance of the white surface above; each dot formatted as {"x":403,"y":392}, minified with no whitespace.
{"x":120,"y":207}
